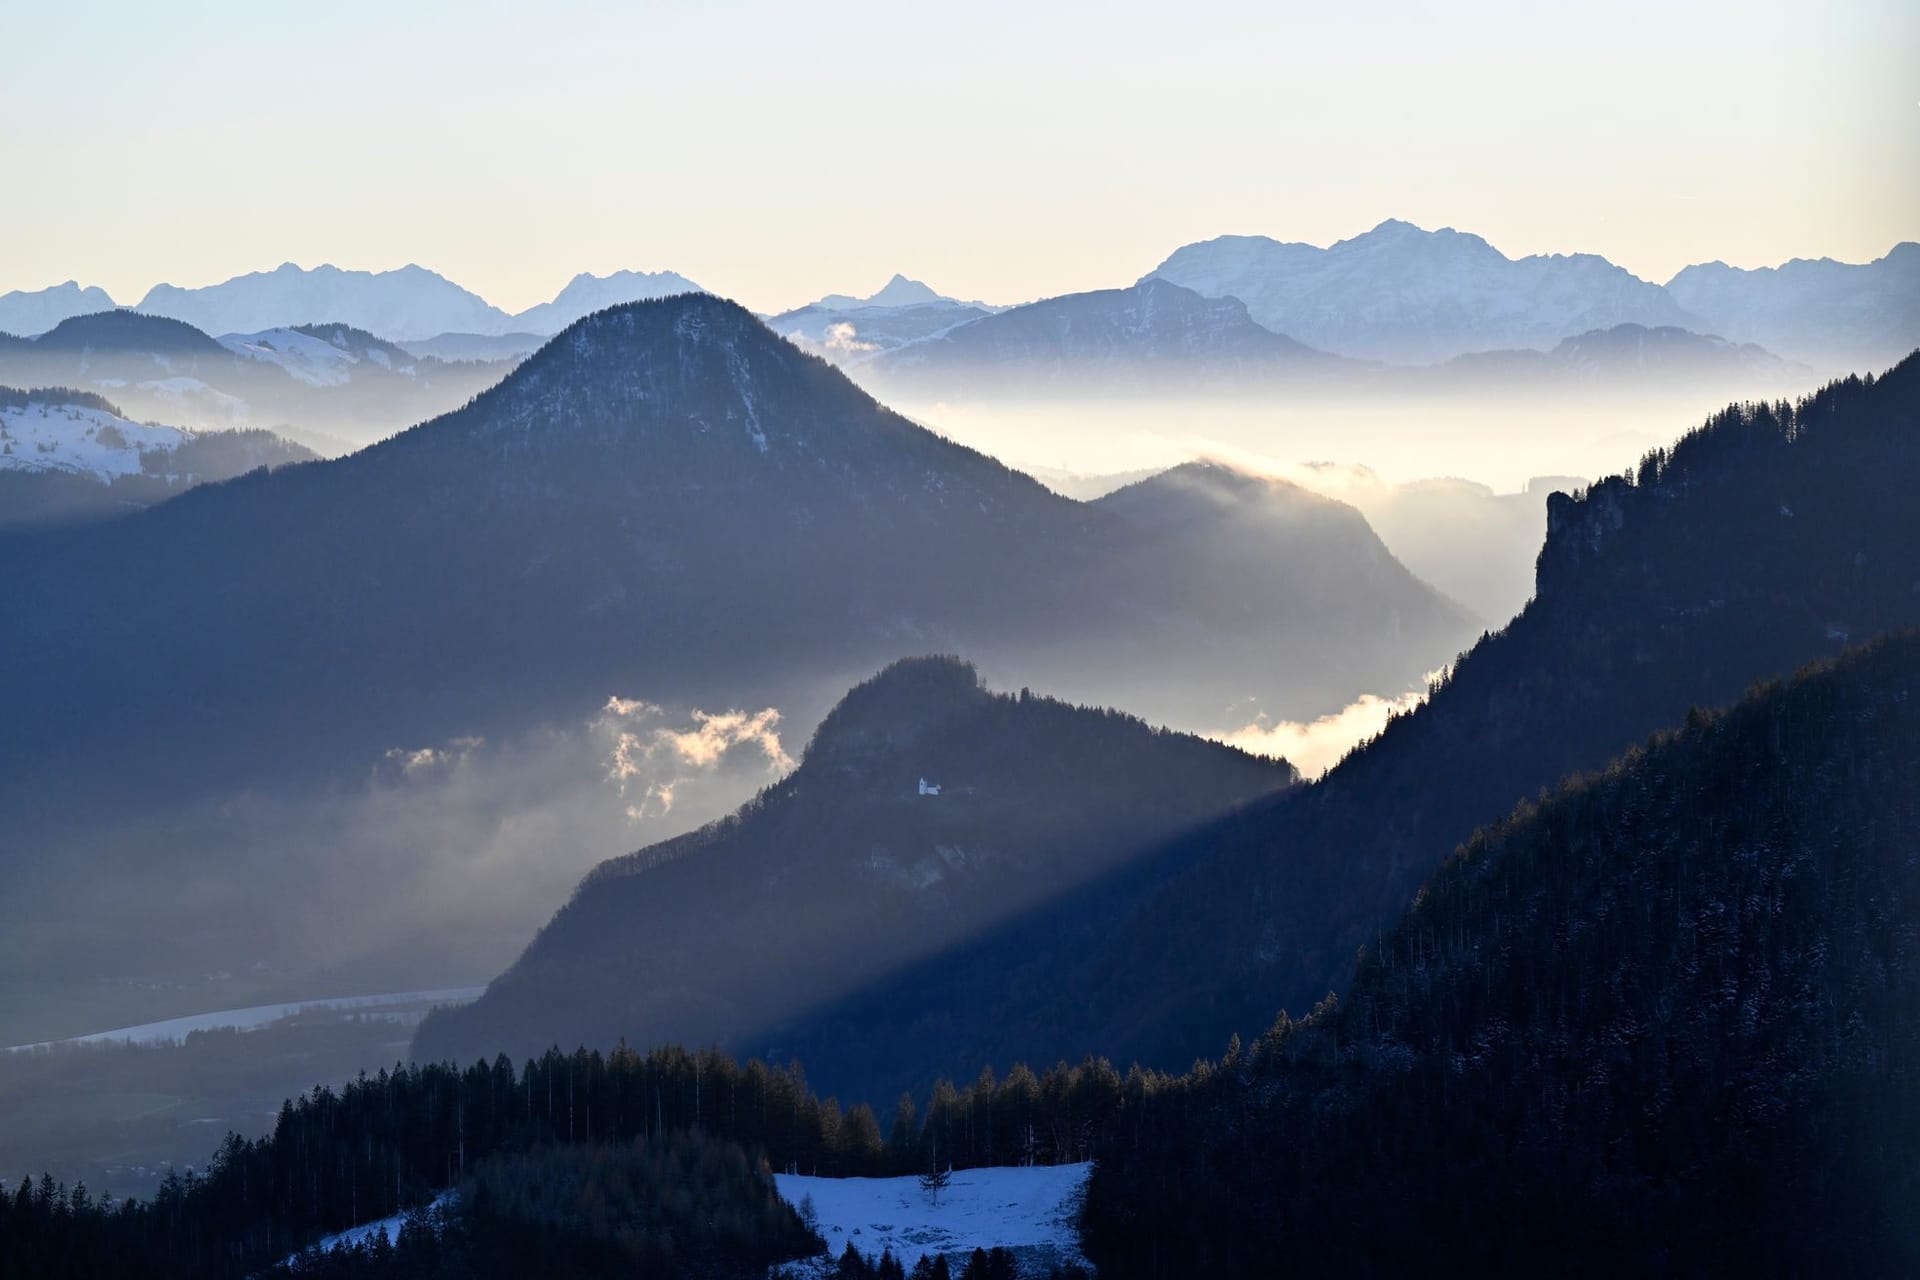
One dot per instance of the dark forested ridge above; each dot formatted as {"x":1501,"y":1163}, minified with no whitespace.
{"x":1763,"y":540}
{"x":620,"y":1162}
{"x":1665,"y":1020}
{"x":925,"y":808}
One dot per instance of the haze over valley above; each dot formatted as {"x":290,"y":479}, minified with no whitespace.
{"x":725,"y":643}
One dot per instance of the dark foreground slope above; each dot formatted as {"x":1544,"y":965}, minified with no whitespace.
{"x":925,"y":809}
{"x":1667,"y":1020}
{"x":1760,"y":542}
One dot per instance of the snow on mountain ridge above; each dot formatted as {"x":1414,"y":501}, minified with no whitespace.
{"x":25,"y":313}
{"x":587,"y":293}
{"x":1407,"y":295}
{"x":407,"y":302}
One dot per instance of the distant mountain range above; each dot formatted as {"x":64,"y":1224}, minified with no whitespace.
{"x":1833,"y":314}
{"x":1405,"y":295}
{"x":23,"y":313}
{"x":848,"y":331}
{"x":1635,"y":353}
{"x":669,"y":501}
{"x":407,"y":304}
{"x":896,"y":293}
{"x":1408,"y":296}
{"x":330,"y":387}
{"x":1397,"y":294}
{"x":1152,"y":334}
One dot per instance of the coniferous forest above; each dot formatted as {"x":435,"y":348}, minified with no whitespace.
{"x":1666,"y":1020}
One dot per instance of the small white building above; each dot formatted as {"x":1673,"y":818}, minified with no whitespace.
{"x":929,"y":788}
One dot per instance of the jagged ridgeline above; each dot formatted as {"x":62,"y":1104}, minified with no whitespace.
{"x":1765,"y":539}
{"x":1666,"y":1020}
{"x":925,"y":809}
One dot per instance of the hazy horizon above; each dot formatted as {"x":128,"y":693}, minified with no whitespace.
{"x":774,"y":158}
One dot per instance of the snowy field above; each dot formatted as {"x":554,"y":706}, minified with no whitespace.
{"x":1024,"y":1209}
{"x":69,"y":437}
{"x":396,"y":1004}
{"x":388,"y":1227}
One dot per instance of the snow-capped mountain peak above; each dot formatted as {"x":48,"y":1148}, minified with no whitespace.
{"x":408,"y":302}
{"x":25,"y":313}
{"x":587,"y":293}
{"x":1405,"y":294}
{"x":900,"y":291}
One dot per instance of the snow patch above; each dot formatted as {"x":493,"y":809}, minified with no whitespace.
{"x":1030,"y":1208}
{"x":311,"y":360}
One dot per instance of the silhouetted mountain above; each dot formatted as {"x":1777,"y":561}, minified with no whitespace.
{"x":925,"y":809}
{"x":1633,"y":351}
{"x":1224,"y":523}
{"x":1665,"y":1020}
{"x":852,"y":336}
{"x":112,"y":333}
{"x":477,"y":346}
{"x":410,"y":302}
{"x":1153,"y":334}
{"x":896,"y":294}
{"x":328,"y":386}
{"x":1839,"y":315}
{"x":1410,"y":296}
{"x":25,"y":313}
{"x":586,"y":294}
{"x":668,"y":501}
{"x":68,"y":456}
{"x":1765,"y":539}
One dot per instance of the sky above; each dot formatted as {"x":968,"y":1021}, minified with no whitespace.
{"x":776,"y":152}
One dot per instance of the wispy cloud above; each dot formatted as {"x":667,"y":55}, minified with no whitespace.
{"x":649,"y":760}
{"x":1314,"y":746}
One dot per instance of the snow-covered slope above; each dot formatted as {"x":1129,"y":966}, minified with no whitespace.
{"x":410,"y":302}
{"x":1410,"y":296}
{"x":320,"y":355}
{"x":83,"y":436}
{"x":312,"y":360}
{"x":1030,"y":1210}
{"x":25,"y":313}
{"x":586,"y":294}
{"x":1849,"y":317}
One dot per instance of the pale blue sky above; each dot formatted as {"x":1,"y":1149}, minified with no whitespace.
{"x":775,"y":152}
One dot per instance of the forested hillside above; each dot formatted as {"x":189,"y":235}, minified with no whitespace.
{"x":925,"y":809}
{"x":1763,"y":540}
{"x":1665,"y":1020}
{"x":677,"y":1143}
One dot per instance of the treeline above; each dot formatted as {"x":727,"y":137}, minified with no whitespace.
{"x":386,"y":1143}
{"x":660,"y":1208}
{"x":1665,"y":1021}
